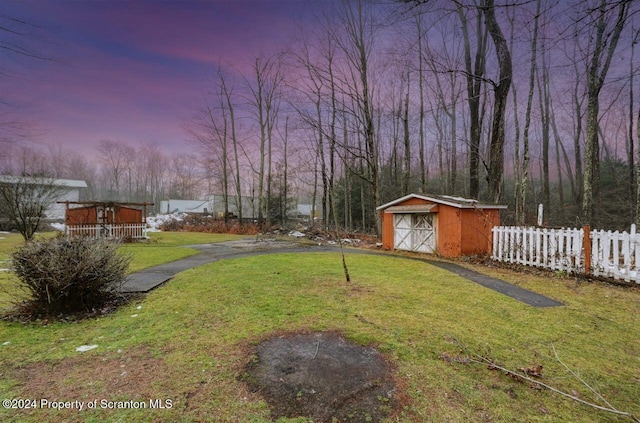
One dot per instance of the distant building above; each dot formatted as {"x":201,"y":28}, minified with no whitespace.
{"x":303,"y":211}
{"x":69,"y":190}
{"x":185,"y":206}
{"x":212,"y":205}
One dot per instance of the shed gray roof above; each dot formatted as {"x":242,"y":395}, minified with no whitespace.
{"x":458,"y":202}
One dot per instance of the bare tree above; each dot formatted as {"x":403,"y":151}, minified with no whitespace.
{"x":226,"y":93}
{"x":421,"y":115}
{"x":18,"y":47}
{"x":155,"y":168}
{"x":185,"y":177}
{"x":265,"y":98}
{"x":25,"y":199}
{"x":522,"y":187}
{"x":475,"y":72}
{"x":114,"y":157}
{"x":544,"y":100}
{"x":501,"y":92}
{"x":608,"y":28}
{"x":630,"y":154}
{"x":359,"y":27}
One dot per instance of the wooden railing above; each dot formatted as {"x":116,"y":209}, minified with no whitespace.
{"x":115,"y":231}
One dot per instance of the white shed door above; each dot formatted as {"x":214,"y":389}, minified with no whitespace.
{"x":414,"y":232}
{"x":424,"y":236}
{"x":402,"y":231}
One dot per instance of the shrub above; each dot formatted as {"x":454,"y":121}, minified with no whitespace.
{"x":196,"y":223}
{"x":67,"y":277}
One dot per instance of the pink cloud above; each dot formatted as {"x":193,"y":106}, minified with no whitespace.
{"x":131,"y":71}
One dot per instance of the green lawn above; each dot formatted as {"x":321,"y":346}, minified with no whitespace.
{"x":164,"y":247}
{"x":187,"y":341}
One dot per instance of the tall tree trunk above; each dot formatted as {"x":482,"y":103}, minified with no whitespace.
{"x":332,"y":132}
{"x":596,"y":73}
{"x":259,"y":103}
{"x":357,"y":48}
{"x":501,"y":92}
{"x":326,"y":200}
{"x":543,"y":98}
{"x":638,"y":173}
{"x":406,"y":171}
{"x":517,"y":196}
{"x":631,"y":155}
{"x":577,"y":103}
{"x":315,"y":192}
{"x":453,"y":172}
{"x":475,"y":74}
{"x":423,"y":170}
{"x":285,"y":192}
{"x":521,"y":212}
{"x":560,"y":146}
{"x":234,"y":141}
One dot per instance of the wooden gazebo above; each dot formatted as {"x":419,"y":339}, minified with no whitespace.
{"x":107,"y":219}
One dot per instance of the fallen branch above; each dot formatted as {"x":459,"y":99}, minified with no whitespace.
{"x":574,"y":374}
{"x":476,"y":358}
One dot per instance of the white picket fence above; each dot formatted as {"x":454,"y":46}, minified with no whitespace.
{"x":116,"y":231}
{"x":612,"y":254}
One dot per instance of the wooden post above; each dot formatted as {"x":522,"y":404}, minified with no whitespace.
{"x":587,"y":249}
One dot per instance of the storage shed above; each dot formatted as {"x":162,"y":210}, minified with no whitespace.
{"x":442,"y":224}
{"x":106,"y":219}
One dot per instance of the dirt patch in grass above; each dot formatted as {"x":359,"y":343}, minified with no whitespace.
{"x":120,"y":376}
{"x":323,"y":376}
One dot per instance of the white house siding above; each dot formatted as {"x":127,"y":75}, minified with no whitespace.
{"x":71,"y":193}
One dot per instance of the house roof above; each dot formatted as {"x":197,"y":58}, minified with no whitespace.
{"x":103,"y":203}
{"x":71,"y":183}
{"x":457,"y":202}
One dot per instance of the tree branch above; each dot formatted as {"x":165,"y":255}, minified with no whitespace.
{"x":479,"y":359}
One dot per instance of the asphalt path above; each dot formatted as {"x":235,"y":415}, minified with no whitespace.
{"x":148,"y":279}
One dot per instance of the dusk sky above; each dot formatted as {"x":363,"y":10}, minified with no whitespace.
{"x":134,"y":71}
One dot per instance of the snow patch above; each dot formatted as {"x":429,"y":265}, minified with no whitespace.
{"x":84,"y":348}
{"x":155,"y":222}
{"x":59,"y":226}
{"x":296,"y":234}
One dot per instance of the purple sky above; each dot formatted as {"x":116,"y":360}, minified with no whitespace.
{"x":134,"y":71}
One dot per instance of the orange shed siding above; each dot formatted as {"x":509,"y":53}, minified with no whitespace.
{"x":458,"y":231}
{"x":448,"y":231}
{"x":476,"y":232}
{"x":387,"y":230}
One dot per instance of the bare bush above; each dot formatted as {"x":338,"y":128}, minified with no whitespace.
{"x":69,"y":276}
{"x":195,"y":223}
